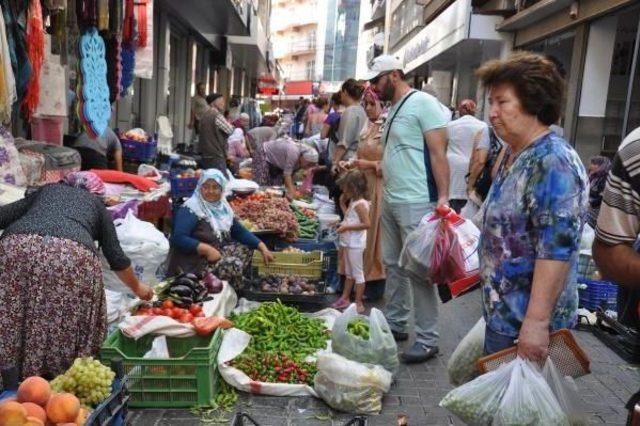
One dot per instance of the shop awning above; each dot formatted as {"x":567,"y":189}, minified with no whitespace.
{"x":298,"y":88}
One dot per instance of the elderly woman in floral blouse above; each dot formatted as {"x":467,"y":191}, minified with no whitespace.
{"x":534,"y":213}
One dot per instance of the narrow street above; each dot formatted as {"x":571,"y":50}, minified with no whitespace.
{"x":420,"y":387}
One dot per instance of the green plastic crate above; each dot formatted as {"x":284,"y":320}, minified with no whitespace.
{"x":188,"y":378}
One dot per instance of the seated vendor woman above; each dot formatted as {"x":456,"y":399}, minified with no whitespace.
{"x":206,"y":234}
{"x":275,"y":162}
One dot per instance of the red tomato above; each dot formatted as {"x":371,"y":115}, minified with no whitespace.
{"x":158,"y":311}
{"x":199,"y":315}
{"x":168,"y":304}
{"x":176,"y":313}
{"x":194,"y":309}
{"x":186,"y":318}
{"x":143,"y":312}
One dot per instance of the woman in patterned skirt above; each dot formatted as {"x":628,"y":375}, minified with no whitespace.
{"x":52,"y":303}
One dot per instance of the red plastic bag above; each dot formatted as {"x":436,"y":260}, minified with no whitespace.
{"x":447,"y":258}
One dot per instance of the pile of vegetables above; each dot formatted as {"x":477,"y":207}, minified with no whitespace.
{"x":274,"y":367}
{"x":293,"y":250}
{"x":358,"y":328}
{"x":202,"y":325}
{"x":288,"y":285}
{"x":281,"y":329}
{"x":307,"y":222}
{"x":186,"y":289}
{"x":265,"y":212}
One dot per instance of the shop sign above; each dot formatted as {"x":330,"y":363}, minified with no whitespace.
{"x":268,"y":91}
{"x":413,"y":50}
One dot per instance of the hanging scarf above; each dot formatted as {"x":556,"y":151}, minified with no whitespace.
{"x":8,"y":93}
{"x":35,"y":50}
{"x":142,"y":16}
{"x":218,"y":214}
{"x":87,"y":13}
{"x":115,"y":16}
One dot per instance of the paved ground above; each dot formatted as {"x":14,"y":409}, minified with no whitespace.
{"x":419,"y":388}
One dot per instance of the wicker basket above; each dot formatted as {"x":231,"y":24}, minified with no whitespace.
{"x":306,"y":265}
{"x":565,"y":352}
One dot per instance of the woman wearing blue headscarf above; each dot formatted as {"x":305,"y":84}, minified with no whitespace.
{"x":205,"y":232}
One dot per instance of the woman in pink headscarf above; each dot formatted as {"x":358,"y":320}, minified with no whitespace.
{"x":368,"y":159}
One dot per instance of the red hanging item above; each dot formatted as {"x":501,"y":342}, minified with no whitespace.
{"x":35,"y":52}
{"x":129,"y":26}
{"x":141,"y":13}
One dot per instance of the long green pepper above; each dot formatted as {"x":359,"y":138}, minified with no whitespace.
{"x":275,"y":327}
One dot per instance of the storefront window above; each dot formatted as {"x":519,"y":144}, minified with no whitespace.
{"x":621,"y":72}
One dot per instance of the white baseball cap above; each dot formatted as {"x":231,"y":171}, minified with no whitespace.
{"x":383,"y":63}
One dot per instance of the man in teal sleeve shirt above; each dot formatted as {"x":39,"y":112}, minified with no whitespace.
{"x":416,"y":180}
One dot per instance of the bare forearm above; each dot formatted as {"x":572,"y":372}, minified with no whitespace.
{"x":128,"y":277}
{"x":619,"y":263}
{"x":118,"y":159}
{"x":288,"y":184}
{"x":339,"y":154}
{"x":548,"y":283}
{"x":440,"y":169}
{"x":478,"y":161}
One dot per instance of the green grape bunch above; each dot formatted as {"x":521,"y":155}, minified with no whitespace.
{"x":88,"y":379}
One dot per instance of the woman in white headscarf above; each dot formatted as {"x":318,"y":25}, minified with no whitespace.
{"x":206,"y":233}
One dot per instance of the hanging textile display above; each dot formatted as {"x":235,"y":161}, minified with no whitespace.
{"x":17,"y":49}
{"x":128,"y":47}
{"x":103,"y":15}
{"x":35,"y":50}
{"x":56,"y":4}
{"x":94,"y":108}
{"x":87,"y":13}
{"x":53,"y":92}
{"x":114,"y":66}
{"x":115,"y":17}
{"x":144,"y":47}
{"x":8,"y":93}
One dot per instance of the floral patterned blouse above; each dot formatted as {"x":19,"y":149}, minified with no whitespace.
{"x":535,"y":210}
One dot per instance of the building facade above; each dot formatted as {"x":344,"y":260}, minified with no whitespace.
{"x":226,"y":46}
{"x":341,"y":40}
{"x":294,"y":34}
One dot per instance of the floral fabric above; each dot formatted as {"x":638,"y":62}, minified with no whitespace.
{"x":10,"y":167}
{"x":535,"y":210}
{"x":52,"y":304}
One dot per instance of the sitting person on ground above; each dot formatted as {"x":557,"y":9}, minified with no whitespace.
{"x":206,"y":234}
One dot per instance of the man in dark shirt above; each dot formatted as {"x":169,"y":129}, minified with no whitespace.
{"x":96,"y":153}
{"x":214,"y":131}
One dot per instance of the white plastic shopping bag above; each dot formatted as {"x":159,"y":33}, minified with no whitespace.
{"x":462,"y":363}
{"x":476,"y":402}
{"x":350,"y":386}
{"x":529,"y":400}
{"x":566,"y":392}
{"x":146,"y":246}
{"x":444,"y":249}
{"x":380,"y":348}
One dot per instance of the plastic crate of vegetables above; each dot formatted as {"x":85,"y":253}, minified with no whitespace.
{"x":189,"y":377}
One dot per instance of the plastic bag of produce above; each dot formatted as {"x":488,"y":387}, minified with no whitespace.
{"x":462,"y":363}
{"x":566,"y":392}
{"x":528,"y":399}
{"x":444,"y":249}
{"x":351,"y":386}
{"x":476,"y":402}
{"x":365,"y":339}
{"x":144,"y":245}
